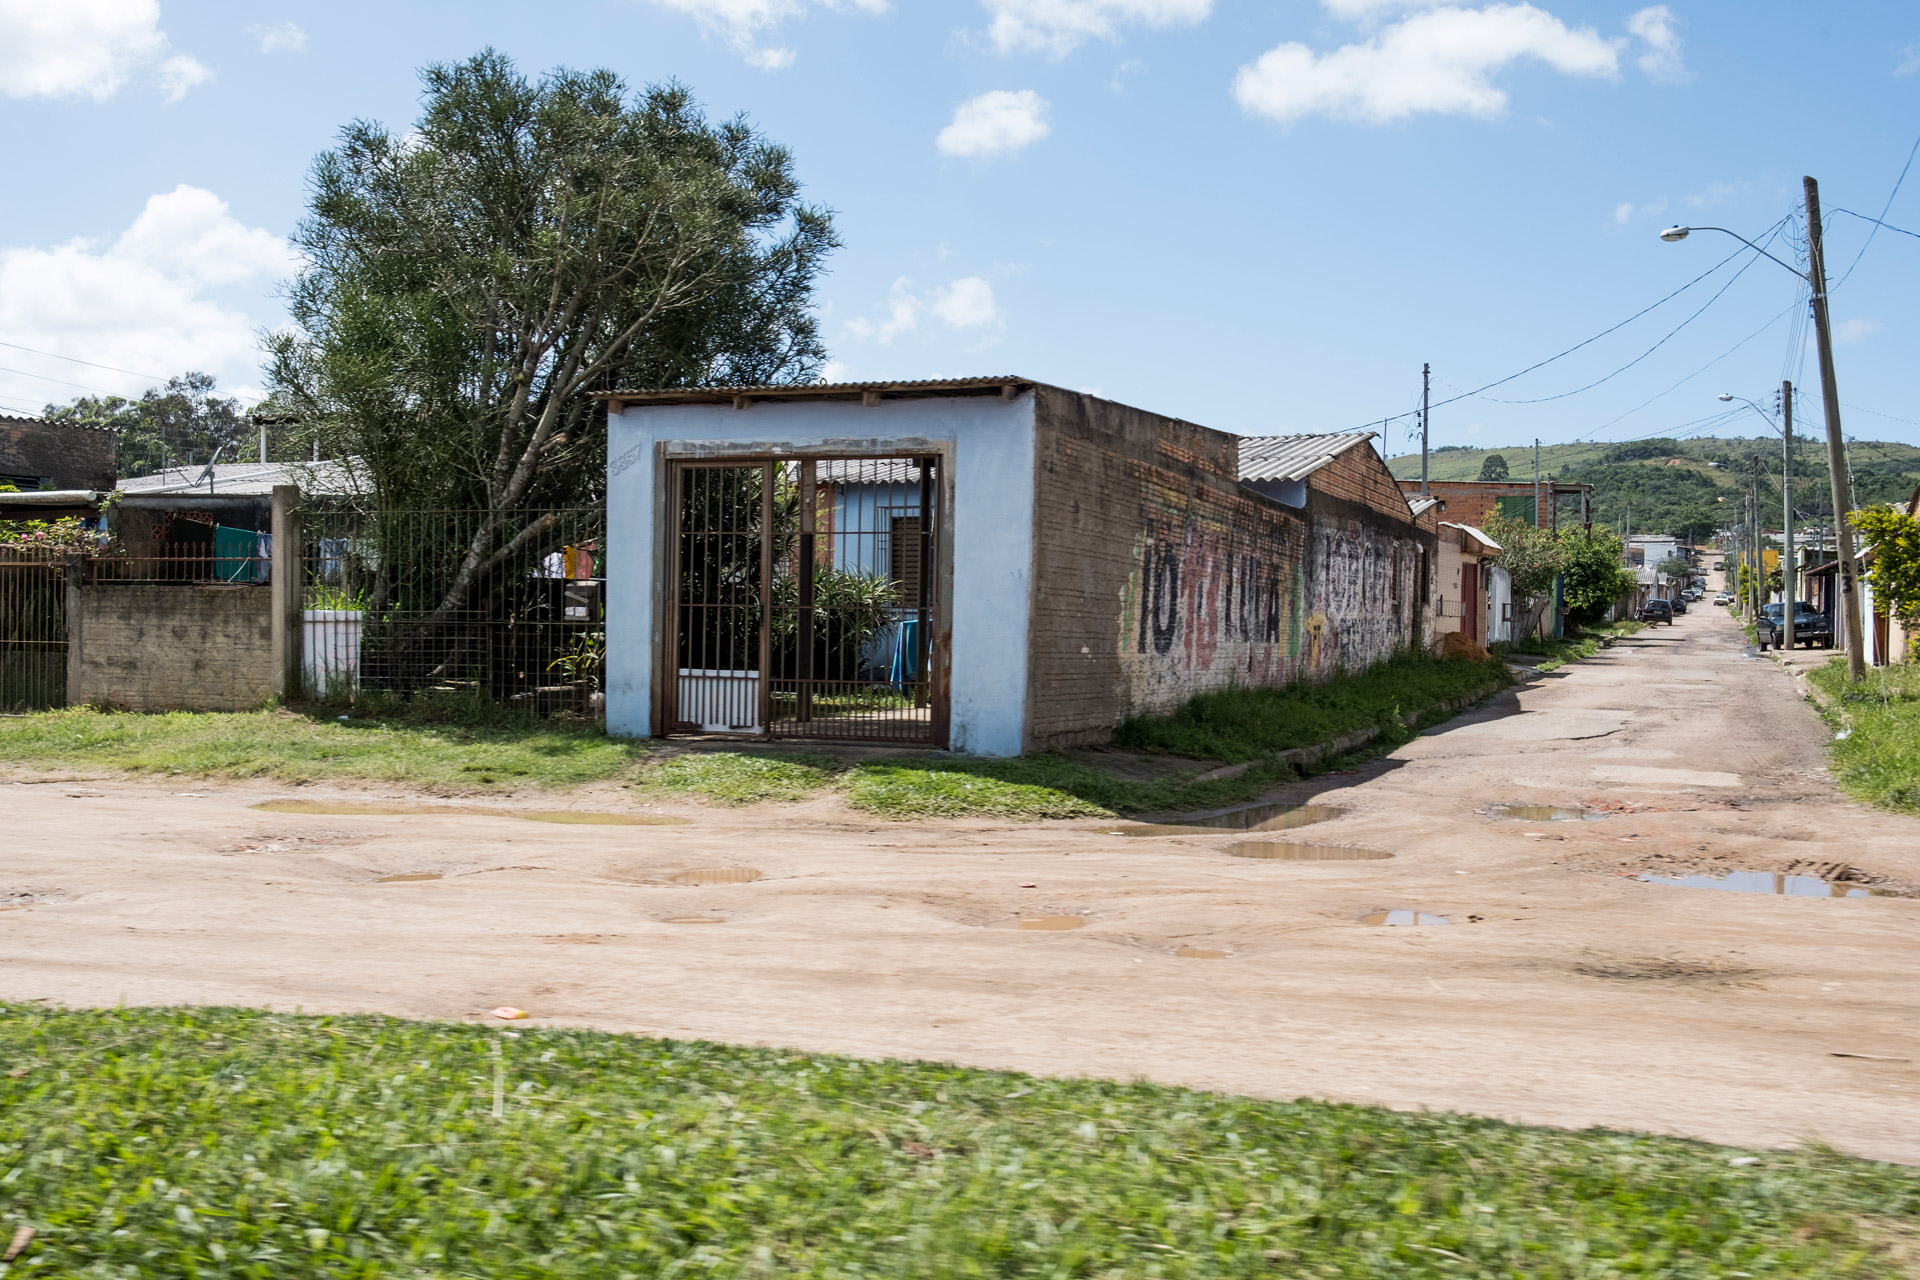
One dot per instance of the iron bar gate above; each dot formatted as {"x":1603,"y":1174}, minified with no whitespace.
{"x":33,"y":628}
{"x":805,"y":599}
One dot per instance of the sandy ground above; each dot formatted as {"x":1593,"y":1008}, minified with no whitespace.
{"x":1564,"y":991}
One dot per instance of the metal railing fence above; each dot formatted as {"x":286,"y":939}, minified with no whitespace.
{"x":33,"y":628}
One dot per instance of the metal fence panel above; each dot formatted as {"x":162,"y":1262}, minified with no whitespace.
{"x":33,"y":629}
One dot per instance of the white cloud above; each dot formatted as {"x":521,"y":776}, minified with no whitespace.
{"x":741,"y":23}
{"x":1655,"y":26}
{"x":995,"y":124}
{"x":88,"y":49}
{"x":966,"y":303}
{"x":1848,"y":332}
{"x":141,"y":303}
{"x":1057,"y":27}
{"x":1435,"y":61}
{"x":1124,"y":72}
{"x":1622,"y":213}
{"x":1909,"y":61}
{"x":1715,"y":193}
{"x":281,"y":37}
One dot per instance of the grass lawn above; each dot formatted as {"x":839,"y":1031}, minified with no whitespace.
{"x":1879,"y":759}
{"x":317,"y":747}
{"x":1573,"y":648}
{"x":227,"y":1143}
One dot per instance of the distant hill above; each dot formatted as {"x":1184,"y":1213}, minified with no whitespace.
{"x":1678,"y":486}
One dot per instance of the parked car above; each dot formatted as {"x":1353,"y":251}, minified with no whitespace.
{"x":1678,"y":604}
{"x":1721,"y":598}
{"x":1719,"y":564}
{"x":1656,"y":611}
{"x":1810,"y":626}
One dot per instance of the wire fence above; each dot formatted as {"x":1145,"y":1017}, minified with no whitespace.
{"x":505,"y":608}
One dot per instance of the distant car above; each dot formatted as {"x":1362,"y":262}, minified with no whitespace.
{"x":1719,"y":564}
{"x":1678,"y":604}
{"x":1656,"y":611}
{"x":1721,"y":598}
{"x":1810,"y":626}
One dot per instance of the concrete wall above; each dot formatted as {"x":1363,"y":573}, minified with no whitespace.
{"x":988,"y":446}
{"x":63,"y":457}
{"x":171,"y":648}
{"x":1159,"y":576}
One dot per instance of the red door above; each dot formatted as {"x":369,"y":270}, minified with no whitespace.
{"x":1470,"y":606}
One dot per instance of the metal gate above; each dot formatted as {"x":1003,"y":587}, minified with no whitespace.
{"x":33,"y":630}
{"x":805,"y":599}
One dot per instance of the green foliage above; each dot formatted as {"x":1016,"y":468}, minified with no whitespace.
{"x":1675,"y":567}
{"x":1879,"y":759}
{"x":1595,"y":576}
{"x":1493,"y":467}
{"x":221,"y":1142}
{"x":1531,"y":556}
{"x":850,"y":609}
{"x":1036,"y":787}
{"x":468,"y":748}
{"x":1894,"y":572}
{"x":180,"y":424}
{"x":585,"y":661}
{"x":68,"y":534}
{"x":1248,"y":724}
{"x":470,"y":281}
{"x":1639,"y":450}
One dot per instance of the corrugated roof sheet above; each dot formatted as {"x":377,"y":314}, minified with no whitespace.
{"x":696,"y":395}
{"x":1293,"y":457}
{"x":1477,"y":534}
{"x":245,"y":479}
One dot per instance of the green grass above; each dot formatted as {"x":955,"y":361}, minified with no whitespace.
{"x":734,"y":777}
{"x":318,"y":747}
{"x":1879,"y":759}
{"x":1248,"y":724}
{"x":225,"y":1143}
{"x":1559,"y":652}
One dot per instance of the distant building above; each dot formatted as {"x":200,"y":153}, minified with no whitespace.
{"x":1475,"y":502}
{"x":53,"y":470}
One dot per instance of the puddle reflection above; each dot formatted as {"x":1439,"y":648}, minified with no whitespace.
{"x":1201,"y":953}
{"x":1050,"y":924}
{"x":1545,"y":813}
{"x":1769,"y":882}
{"x":1403,"y":917}
{"x":410,"y":877}
{"x":1282,"y":851}
{"x":1259,"y":817}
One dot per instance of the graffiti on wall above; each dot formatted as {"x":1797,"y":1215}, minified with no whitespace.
{"x":1208,"y":605}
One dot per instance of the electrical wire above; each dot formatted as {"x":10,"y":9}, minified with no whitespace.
{"x":1883,"y":212}
{"x":1878,"y":223}
{"x":90,"y":364}
{"x":78,"y":386}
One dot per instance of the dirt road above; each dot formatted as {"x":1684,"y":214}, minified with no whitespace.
{"x":1562,"y":992}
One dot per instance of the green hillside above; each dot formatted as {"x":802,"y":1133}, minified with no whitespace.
{"x":1688,"y":487}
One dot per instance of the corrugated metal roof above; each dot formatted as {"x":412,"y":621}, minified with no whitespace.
{"x":1294,"y":457}
{"x":1419,"y":506}
{"x":828,"y":390}
{"x":250,"y":479}
{"x":1475,"y":533}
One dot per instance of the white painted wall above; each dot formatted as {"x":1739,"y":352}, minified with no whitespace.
{"x":990,"y":531}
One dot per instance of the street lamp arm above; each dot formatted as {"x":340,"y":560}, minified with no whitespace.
{"x":1680,"y":233}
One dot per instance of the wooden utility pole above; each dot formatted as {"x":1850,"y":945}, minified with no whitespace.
{"x":1788,"y":555}
{"x":1426,"y":398}
{"x":1836,"y":443}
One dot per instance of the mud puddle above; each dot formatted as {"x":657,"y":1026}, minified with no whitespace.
{"x":1201,"y":953}
{"x":693,"y":920}
{"x":1776,"y":883}
{"x":1284,"y":851}
{"x":1545,"y":813}
{"x":718,"y":875}
{"x":1404,"y":918}
{"x":410,"y":877}
{"x":1259,"y":817}
{"x":1050,"y":924}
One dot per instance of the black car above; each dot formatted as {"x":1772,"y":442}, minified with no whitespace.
{"x":1656,"y":611}
{"x":1810,"y":626}
{"x":1679,"y":604}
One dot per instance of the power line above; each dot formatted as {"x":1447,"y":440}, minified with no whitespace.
{"x":1878,"y":223}
{"x":153,"y":377}
{"x":78,"y":386}
{"x":1883,"y":213}
{"x":1774,"y":230}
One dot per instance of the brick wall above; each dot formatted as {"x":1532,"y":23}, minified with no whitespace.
{"x":1474,"y":501}
{"x":69,"y":457}
{"x":170,"y":648}
{"x":1156,"y":576}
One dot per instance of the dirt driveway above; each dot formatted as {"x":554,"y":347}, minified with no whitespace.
{"x":1563,"y":991}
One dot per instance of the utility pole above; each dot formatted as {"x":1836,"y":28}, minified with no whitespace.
{"x":1836,"y":443}
{"x":1536,"y":482}
{"x":1757,"y":566}
{"x":1788,"y":554}
{"x":1426,"y":398}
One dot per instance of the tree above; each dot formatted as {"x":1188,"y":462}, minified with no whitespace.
{"x":180,"y":424}
{"x":470,"y":283}
{"x":1595,"y":576}
{"x":1532,"y":558}
{"x":1493,"y":467}
{"x":1894,"y":572}
{"x":1676,"y":568}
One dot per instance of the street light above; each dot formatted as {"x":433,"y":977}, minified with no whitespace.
{"x":1816,"y":279}
{"x":1789,"y":555}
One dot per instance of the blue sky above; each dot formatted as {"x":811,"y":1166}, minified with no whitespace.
{"x":1259,"y":216}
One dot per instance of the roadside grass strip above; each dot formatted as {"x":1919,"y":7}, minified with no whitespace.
{"x":1879,"y":758}
{"x":296,"y":747}
{"x":233,"y":1143}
